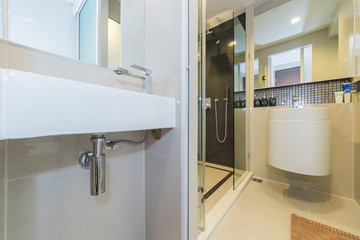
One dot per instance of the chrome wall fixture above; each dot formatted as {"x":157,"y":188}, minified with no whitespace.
{"x":147,"y":79}
{"x":95,"y":161}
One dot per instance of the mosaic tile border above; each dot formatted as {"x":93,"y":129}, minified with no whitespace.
{"x":307,"y":93}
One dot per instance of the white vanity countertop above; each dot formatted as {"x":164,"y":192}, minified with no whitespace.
{"x":33,"y":105}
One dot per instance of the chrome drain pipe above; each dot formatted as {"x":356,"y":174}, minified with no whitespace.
{"x":95,"y":160}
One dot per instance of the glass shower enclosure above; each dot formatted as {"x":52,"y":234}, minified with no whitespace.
{"x":222,"y":108}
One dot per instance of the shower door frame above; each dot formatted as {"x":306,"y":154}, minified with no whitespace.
{"x":201,"y":114}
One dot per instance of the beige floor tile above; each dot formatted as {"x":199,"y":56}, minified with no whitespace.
{"x":344,"y":206}
{"x":218,"y":194}
{"x":263,"y":212}
{"x":212,"y":177}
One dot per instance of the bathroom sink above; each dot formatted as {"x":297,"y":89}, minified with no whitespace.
{"x":299,"y":140}
{"x":34,"y":105}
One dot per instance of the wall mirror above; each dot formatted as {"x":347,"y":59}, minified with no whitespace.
{"x":109,"y":33}
{"x":300,"y":41}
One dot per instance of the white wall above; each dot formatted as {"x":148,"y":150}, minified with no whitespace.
{"x":27,"y":59}
{"x":165,"y":160}
{"x":154,"y":191}
{"x":356,"y":100}
{"x":133,"y":35}
{"x":46,"y":192}
{"x":43,"y":24}
{"x":1,"y":20}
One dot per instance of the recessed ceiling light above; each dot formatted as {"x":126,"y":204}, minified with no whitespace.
{"x":295,"y":20}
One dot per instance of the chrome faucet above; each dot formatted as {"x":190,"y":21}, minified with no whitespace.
{"x":295,"y":102}
{"x":147,"y":79}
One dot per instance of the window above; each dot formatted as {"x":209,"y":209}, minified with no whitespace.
{"x":291,"y":67}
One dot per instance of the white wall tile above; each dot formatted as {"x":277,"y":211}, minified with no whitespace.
{"x":163,"y":159}
{"x":169,"y":145}
{"x":44,"y":25}
{"x":162,"y":195}
{"x":2,"y":160}
{"x":31,"y":60}
{"x":1,"y":21}
{"x":357,"y":151}
{"x":342,"y":163}
{"x":2,"y":210}
{"x":342,"y":121}
{"x":132,"y":35}
{"x":3,"y":54}
{"x":57,"y":204}
{"x":35,"y":155}
{"x":163,"y":22}
{"x":165,"y":63}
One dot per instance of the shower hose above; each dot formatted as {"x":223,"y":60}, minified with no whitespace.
{"x":216,"y":120}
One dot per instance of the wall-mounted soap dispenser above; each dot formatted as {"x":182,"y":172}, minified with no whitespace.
{"x":264,"y":101}
{"x":256,"y":102}
{"x":272,"y":100}
{"x":243,"y":103}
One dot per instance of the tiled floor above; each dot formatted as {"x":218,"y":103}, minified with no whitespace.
{"x":213,"y":175}
{"x":263,"y":212}
{"x":218,"y":194}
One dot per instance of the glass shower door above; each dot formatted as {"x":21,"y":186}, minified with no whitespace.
{"x":201,"y":120}
{"x":241,"y":107}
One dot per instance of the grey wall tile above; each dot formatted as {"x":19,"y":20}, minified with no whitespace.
{"x":2,"y":161}
{"x":2,"y":210}
{"x":34,"y":155}
{"x":163,"y":198}
{"x":219,"y":75}
{"x":57,"y":205}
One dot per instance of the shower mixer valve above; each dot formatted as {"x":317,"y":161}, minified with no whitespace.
{"x":207,"y":103}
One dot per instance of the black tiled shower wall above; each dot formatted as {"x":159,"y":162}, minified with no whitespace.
{"x":307,"y":93}
{"x":219,"y":77}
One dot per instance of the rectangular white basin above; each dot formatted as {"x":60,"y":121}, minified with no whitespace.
{"x":33,"y":105}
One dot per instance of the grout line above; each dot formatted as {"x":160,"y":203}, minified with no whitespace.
{"x":44,"y":172}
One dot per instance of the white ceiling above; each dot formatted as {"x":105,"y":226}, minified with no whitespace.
{"x":219,"y":11}
{"x":275,"y":24}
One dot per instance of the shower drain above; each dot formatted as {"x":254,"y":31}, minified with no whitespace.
{"x":257,"y":180}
